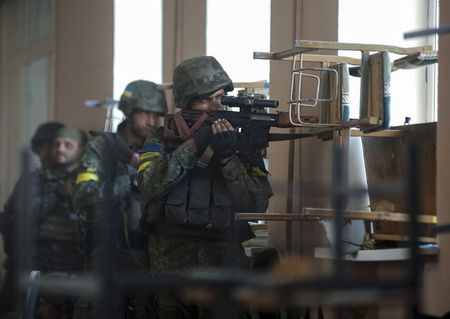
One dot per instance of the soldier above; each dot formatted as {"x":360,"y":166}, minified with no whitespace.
{"x":112,"y":159}
{"x":53,"y":230}
{"x":195,"y":186}
{"x":41,"y":145}
{"x":57,"y":238}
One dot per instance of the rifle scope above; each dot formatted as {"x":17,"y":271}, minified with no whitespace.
{"x":248,"y":101}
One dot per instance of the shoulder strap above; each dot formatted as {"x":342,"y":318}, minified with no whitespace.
{"x":185,"y":131}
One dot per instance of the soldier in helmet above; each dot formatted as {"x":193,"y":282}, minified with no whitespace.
{"x":53,"y":229}
{"x":195,"y":186}
{"x":41,"y":145}
{"x":111,"y":160}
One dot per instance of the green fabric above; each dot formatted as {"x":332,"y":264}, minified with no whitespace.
{"x":89,"y":195}
{"x":248,"y":192}
{"x":73,"y":133}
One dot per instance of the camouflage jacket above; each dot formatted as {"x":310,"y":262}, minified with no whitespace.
{"x":53,"y":225}
{"x":106,"y":182}
{"x":14,"y":204}
{"x":240,"y":184}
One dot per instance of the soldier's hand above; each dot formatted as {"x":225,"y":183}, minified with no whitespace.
{"x":224,"y":139}
{"x":134,"y":162}
{"x":202,"y":138}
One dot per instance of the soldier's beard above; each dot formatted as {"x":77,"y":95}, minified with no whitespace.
{"x":64,"y":162}
{"x":139,"y":132}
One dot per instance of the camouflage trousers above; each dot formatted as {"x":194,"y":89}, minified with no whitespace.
{"x":173,"y":255}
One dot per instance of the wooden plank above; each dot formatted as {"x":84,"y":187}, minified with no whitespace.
{"x":385,"y":161}
{"x":382,"y":133}
{"x":332,"y":45}
{"x":393,"y":237}
{"x":253,"y":85}
{"x":256,"y":227}
{"x":369,"y":216}
{"x":314,"y":213}
{"x":271,"y":216}
{"x":375,"y":106}
{"x":373,"y":255}
{"x":320,"y":58}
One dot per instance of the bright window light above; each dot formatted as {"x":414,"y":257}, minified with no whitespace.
{"x":137,"y":43}
{"x":412,"y":92}
{"x":234,"y":31}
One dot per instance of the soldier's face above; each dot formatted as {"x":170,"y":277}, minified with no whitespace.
{"x":66,"y":151}
{"x":142,"y":122}
{"x":211,"y":103}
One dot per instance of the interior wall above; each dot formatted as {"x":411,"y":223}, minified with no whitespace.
{"x":84,"y":61}
{"x":184,"y":36}
{"x":27,"y":73}
{"x":437,"y":276}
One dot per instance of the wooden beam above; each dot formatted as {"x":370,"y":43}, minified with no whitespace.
{"x":382,"y":133}
{"x":271,"y":216}
{"x":331,"y":45}
{"x":394,"y":237}
{"x":369,"y":216}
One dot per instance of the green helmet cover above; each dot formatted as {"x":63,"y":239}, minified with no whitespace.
{"x":45,"y":133}
{"x":143,"y":95}
{"x":73,"y":133}
{"x":198,"y":77}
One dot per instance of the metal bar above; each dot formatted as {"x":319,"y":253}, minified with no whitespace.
{"x":339,"y":202}
{"x":23,"y":228}
{"x":414,"y":34}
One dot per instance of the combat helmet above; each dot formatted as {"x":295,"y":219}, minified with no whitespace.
{"x":198,"y":77}
{"x":45,"y":133}
{"x":143,"y":95}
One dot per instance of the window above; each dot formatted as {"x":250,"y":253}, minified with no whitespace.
{"x":413,"y":92}
{"x":137,"y":44}
{"x":234,"y":31}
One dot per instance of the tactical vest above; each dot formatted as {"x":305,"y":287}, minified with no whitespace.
{"x":201,"y":199}
{"x":58,"y":219}
{"x":57,"y":235}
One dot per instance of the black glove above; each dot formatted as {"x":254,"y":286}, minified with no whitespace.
{"x":202,"y":137}
{"x":224,"y":144}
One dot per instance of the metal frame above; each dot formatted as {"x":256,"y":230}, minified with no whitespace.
{"x":299,"y":52}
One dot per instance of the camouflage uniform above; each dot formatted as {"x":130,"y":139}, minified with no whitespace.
{"x":7,"y":229}
{"x":105,"y":159}
{"x":54,"y":228}
{"x":54,"y":233}
{"x":190,"y":214}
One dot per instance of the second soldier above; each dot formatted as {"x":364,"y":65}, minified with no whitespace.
{"x":106,"y":187}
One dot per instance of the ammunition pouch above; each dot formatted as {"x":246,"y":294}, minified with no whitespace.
{"x":201,"y":199}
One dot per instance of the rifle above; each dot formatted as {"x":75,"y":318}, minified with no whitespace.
{"x":252,"y":118}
